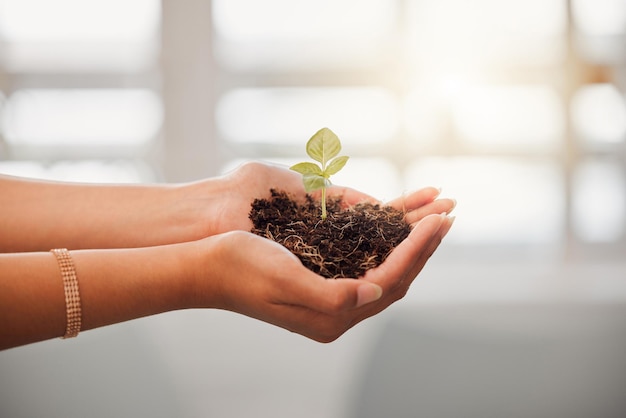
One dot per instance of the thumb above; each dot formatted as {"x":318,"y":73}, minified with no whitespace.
{"x":332,"y":296}
{"x":368,"y":293}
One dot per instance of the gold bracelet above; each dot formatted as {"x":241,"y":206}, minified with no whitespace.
{"x":72,"y":296}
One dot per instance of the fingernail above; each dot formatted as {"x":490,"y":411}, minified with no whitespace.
{"x":448,"y":225}
{"x":368,"y":293}
{"x":442,"y":219}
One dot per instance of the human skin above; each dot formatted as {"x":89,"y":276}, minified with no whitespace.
{"x":146,"y":249}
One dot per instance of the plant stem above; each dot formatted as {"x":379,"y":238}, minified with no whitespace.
{"x":323,"y":203}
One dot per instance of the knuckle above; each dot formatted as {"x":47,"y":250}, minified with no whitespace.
{"x":400,"y":293}
{"x":339,"y":302}
{"x":329,"y":336}
{"x":330,"y":330}
{"x":247,"y":169}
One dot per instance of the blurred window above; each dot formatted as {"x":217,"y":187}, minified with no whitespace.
{"x":81,"y":117}
{"x":79,"y":81}
{"x":524,"y":118}
{"x":516,"y":108}
{"x":599,"y":200}
{"x":472,"y":97}
{"x":503,"y":200}
{"x":599,"y":114}
{"x":278,"y":115}
{"x":276,"y":35}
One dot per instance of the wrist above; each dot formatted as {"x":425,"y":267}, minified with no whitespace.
{"x":196,"y":209}
{"x":199,"y":264}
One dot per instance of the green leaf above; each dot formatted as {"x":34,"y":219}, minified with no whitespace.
{"x":307,"y":168}
{"x":314,"y":182}
{"x":323,"y":146}
{"x":335,"y":165}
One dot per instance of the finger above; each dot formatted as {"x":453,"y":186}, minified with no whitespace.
{"x":326,"y":318}
{"x":315,"y":325}
{"x":436,"y":207}
{"x":402,"y":280}
{"x":351,"y":197}
{"x":402,"y":286}
{"x":410,"y":201}
{"x":404,"y":257}
{"x":337,"y":317}
{"x":329,"y":296}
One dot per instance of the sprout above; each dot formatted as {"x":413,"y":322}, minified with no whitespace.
{"x":323,"y":147}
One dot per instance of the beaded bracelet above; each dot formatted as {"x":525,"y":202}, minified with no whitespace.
{"x":72,"y":295}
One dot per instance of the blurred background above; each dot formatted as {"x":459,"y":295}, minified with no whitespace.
{"x":516,"y":108}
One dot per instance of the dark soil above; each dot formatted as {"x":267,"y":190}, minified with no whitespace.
{"x":346,"y":244}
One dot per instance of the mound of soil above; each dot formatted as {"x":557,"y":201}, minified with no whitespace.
{"x":346,"y":244}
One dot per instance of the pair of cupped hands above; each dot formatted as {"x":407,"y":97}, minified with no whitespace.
{"x":269,"y":283}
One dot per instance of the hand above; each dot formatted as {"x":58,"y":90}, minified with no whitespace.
{"x":261,"y":279}
{"x":421,"y":203}
{"x":227,"y":209}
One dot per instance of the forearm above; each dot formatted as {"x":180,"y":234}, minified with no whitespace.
{"x":37,"y":216}
{"x":115,"y":286}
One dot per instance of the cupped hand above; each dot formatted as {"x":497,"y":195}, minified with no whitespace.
{"x":223,"y":204}
{"x":259,"y":278}
{"x":227,"y":209}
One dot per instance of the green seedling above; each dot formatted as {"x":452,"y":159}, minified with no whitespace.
{"x":323,"y":147}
